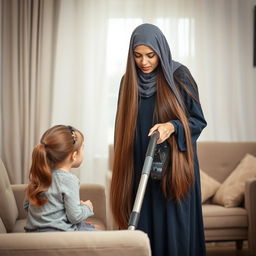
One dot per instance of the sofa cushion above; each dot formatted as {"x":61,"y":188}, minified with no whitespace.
{"x":226,"y":234}
{"x":231,"y":192}
{"x":8,"y":209}
{"x":208,"y":186}
{"x":216,"y":216}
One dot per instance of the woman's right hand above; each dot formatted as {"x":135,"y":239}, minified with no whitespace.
{"x":88,"y":203}
{"x":165,"y":131}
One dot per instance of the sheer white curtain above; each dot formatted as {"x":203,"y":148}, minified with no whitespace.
{"x":213,"y":38}
{"x":224,"y":68}
{"x":80,"y":89}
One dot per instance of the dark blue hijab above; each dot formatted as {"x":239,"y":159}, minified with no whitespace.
{"x":151,"y":36}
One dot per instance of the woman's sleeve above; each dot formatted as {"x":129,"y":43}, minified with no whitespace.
{"x":75,"y":212}
{"x":194,"y":111}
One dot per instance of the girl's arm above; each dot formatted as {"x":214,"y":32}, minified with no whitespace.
{"x":75,"y":212}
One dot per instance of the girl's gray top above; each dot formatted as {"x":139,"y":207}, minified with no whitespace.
{"x":63,"y":210}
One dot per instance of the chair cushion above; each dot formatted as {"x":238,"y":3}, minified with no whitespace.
{"x":208,"y":186}
{"x":8,"y":209}
{"x":226,"y":234}
{"x":231,"y":191}
{"x":219,"y":217}
{"x":20,"y":224}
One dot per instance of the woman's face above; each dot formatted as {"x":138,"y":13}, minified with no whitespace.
{"x":145,"y":58}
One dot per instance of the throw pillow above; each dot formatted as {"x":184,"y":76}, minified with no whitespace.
{"x":231,"y":192}
{"x":208,"y":186}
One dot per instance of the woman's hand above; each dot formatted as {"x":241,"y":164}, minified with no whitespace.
{"x":88,"y":203}
{"x":165,"y":131}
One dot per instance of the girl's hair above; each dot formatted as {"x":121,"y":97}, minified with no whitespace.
{"x":177,"y":181}
{"x":55,"y":146}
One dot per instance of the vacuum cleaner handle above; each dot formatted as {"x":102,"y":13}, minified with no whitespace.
{"x":134,"y":218}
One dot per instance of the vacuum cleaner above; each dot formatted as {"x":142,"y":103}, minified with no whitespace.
{"x":146,"y":170}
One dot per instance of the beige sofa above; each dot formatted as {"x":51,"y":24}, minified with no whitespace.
{"x":13,"y":240}
{"x":218,"y":159}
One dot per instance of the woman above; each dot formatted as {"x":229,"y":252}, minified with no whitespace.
{"x":158,"y":93}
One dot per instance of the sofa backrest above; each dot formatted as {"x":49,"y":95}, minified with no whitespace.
{"x":218,"y":159}
{"x":8,"y":209}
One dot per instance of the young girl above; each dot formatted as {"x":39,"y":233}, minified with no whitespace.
{"x":53,"y":202}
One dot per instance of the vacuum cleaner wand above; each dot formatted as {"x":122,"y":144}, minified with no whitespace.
{"x":135,"y":215}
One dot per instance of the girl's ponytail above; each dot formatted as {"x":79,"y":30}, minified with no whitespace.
{"x":40,"y":176}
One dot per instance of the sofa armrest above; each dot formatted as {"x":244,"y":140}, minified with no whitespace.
{"x":107,"y":243}
{"x":19,"y":194}
{"x":95,"y":193}
{"x":250,"y":205}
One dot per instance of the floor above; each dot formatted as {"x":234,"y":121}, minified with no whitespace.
{"x":226,"y":249}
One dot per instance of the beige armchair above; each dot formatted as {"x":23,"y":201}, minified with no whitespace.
{"x":13,"y":240}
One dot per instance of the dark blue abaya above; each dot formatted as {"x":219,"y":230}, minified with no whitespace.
{"x":174,"y":228}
